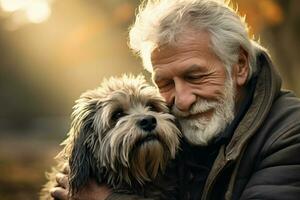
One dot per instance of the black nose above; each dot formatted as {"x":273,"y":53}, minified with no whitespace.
{"x":147,"y":123}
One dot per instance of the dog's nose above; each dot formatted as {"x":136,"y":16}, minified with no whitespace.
{"x":147,"y":123}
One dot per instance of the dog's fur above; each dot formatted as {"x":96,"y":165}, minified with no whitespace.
{"x":121,"y":134}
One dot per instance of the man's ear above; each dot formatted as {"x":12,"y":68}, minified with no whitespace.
{"x":241,"y":68}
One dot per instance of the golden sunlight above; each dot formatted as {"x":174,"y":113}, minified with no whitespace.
{"x":35,"y":11}
{"x":13,"y":5}
{"x":38,"y":12}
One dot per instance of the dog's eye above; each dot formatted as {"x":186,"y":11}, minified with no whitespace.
{"x":152,"y":107}
{"x":117,"y":114}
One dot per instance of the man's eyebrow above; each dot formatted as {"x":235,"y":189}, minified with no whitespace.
{"x":195,"y":68}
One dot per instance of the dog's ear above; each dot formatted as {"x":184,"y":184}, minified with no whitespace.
{"x":81,"y":158}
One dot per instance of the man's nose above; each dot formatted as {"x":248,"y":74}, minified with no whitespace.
{"x":184,"y":97}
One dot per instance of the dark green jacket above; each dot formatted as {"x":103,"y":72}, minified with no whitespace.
{"x":262,"y":160}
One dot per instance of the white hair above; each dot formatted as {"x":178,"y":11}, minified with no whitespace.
{"x":161,"y":22}
{"x":202,"y":131}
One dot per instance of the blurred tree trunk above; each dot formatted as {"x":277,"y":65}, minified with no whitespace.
{"x":283,"y":42}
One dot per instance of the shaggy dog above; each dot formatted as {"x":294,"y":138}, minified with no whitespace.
{"x":121,"y":134}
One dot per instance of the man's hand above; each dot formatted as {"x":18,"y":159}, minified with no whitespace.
{"x":91,"y":191}
{"x":62,"y":190}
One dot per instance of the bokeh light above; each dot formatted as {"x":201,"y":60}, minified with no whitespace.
{"x":52,"y":51}
{"x":35,"y":11}
{"x":38,"y":12}
{"x":13,"y":5}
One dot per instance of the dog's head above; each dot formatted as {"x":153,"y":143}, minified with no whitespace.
{"x":121,"y":131}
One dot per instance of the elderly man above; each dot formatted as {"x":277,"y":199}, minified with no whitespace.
{"x":241,"y":131}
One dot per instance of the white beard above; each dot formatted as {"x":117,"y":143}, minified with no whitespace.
{"x":202,"y":130}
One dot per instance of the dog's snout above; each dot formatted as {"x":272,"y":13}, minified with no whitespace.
{"x":147,"y":123}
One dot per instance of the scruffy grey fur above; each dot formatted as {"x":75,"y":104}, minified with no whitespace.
{"x":121,"y":134}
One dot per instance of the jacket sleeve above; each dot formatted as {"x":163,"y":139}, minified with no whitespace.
{"x":277,"y":173}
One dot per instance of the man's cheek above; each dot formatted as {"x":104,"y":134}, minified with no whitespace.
{"x":168,"y":98}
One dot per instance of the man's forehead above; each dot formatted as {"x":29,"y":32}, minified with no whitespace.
{"x":191,"y":40}
{"x":156,"y":75}
{"x":162,"y":52}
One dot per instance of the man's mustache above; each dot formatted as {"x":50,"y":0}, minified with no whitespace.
{"x":200,"y":106}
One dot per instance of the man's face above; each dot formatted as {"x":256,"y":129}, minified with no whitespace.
{"x":194,"y":82}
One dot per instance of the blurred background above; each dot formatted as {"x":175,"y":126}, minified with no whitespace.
{"x":53,"y":50}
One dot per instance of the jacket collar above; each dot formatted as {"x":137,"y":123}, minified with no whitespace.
{"x":267,"y":88}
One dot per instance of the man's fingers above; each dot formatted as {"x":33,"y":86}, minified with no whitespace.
{"x":62,"y":180}
{"x":66,"y":168}
{"x":59,"y":193}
